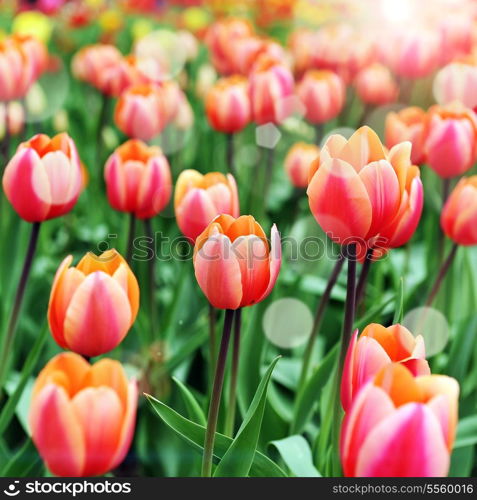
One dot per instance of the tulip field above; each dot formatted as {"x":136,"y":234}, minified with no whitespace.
{"x":238,"y":238}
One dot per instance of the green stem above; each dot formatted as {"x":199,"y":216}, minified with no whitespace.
{"x":152,"y":281}
{"x":212,"y":341}
{"x":319,"y":129}
{"x":212,"y":418}
{"x":231,"y":155}
{"x":230,"y":418}
{"x":441,"y":275}
{"x":363,"y":277}
{"x":102,"y":119}
{"x":131,"y":236}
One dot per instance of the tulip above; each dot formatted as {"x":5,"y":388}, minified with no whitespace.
{"x":357,"y":189}
{"x":140,"y":112}
{"x":407,"y":125}
{"x":35,"y":51}
{"x":43,"y":179}
{"x":456,"y":82}
{"x":451,"y":139}
{"x":271,"y":91}
{"x":323,"y":95}
{"x":82,"y":416}
{"x":228,"y":105}
{"x":234,"y":264}
{"x":400,"y":426}
{"x":302,"y":46}
{"x":16,"y":70}
{"x":12,"y":115}
{"x":138,"y":179}
{"x":375,"y":348}
{"x":171,"y":96}
{"x":457,"y":36}
{"x":459,"y":215}
{"x":247,"y":52}
{"x":298,"y":161}
{"x":199,"y":198}
{"x":93,"y":305}
{"x":375,"y":85}
{"x":113,"y":79}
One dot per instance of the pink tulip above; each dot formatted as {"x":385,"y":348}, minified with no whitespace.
{"x":375,"y":85}
{"x":113,"y":79}
{"x":92,"y":60}
{"x":376,"y":348}
{"x":298,"y":161}
{"x":43,"y":179}
{"x":400,"y":426}
{"x":302,"y":46}
{"x":17,"y":71}
{"x":138,"y":179}
{"x":456,"y":82}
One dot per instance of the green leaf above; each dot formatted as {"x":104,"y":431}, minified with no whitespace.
{"x":193,"y":407}
{"x":23,"y":462}
{"x":462,"y":460}
{"x":399,"y":310}
{"x":308,"y":396}
{"x":461,"y":349}
{"x":466,"y":432}
{"x":238,"y":459}
{"x":11,"y":406}
{"x":296,"y":453}
{"x":194,"y":434}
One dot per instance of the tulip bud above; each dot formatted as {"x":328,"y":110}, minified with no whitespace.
{"x":91,"y":60}
{"x":451,"y":140}
{"x":93,"y":305}
{"x":43,"y":179}
{"x":199,"y":198}
{"x":234,"y":264}
{"x":323,"y":95}
{"x":140,"y":113}
{"x":407,"y":125}
{"x":400,"y":426}
{"x":228,"y":105}
{"x":82,"y":416}
{"x":375,"y":348}
{"x":375,"y":85}
{"x":459,"y":215}
{"x":138,"y":179}
{"x":298,"y":161}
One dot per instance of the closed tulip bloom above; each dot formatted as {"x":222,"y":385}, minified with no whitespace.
{"x":357,"y":187}
{"x":409,"y":124}
{"x":200,"y":198}
{"x":82,"y":416}
{"x":376,"y":85}
{"x":375,"y":348}
{"x":234,"y":263}
{"x":171,"y":95}
{"x":451,"y":139}
{"x":43,"y":179}
{"x":456,"y":82}
{"x":93,"y":305}
{"x":322,"y":92}
{"x":91,"y":60}
{"x":271,"y":90}
{"x":228,"y":105}
{"x":16,"y":71}
{"x":138,"y":179}
{"x":35,"y":51}
{"x":400,"y":426}
{"x":298,"y":161}
{"x":459,"y":215}
{"x":140,"y":113}
{"x":113,"y":79}
{"x":247,"y":52}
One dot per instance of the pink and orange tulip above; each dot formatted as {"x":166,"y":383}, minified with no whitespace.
{"x":377,"y":347}
{"x":138,"y":179}
{"x":375,"y":85}
{"x":234,"y":263}
{"x":17,"y":71}
{"x":82,"y":416}
{"x":459,"y":215}
{"x":93,"y":305}
{"x":199,"y":198}
{"x":400,"y":426}
{"x":298,"y":161}
{"x":113,"y":79}
{"x":43,"y":179}
{"x":228,"y":105}
{"x":322,"y":93}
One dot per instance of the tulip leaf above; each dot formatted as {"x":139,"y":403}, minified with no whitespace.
{"x":193,"y":407}
{"x":194,"y":434}
{"x":399,"y":308}
{"x":466,"y":432}
{"x":238,"y":459}
{"x":296,"y":453}
{"x":22,"y":463}
{"x":309,"y":394}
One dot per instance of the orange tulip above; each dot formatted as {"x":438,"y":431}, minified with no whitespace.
{"x":82,"y":416}
{"x":199,"y":198}
{"x":93,"y":305}
{"x":298,"y":161}
{"x":459,"y":215}
{"x":138,"y":179}
{"x":357,"y":189}
{"x":234,"y":263}
{"x":375,"y":348}
{"x":407,"y":125}
{"x":400,"y":426}
{"x":375,"y":85}
{"x":228,"y":105}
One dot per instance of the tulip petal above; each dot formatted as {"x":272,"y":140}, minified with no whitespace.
{"x":275,"y":261}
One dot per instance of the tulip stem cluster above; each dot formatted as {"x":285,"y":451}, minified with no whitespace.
{"x":230,"y":418}
{"x":12,"y":324}
{"x":441,"y":275}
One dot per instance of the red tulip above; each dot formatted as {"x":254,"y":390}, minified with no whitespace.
{"x":43,"y":179}
{"x":138,"y":179}
{"x":234,"y":263}
{"x":298,"y":161}
{"x":375,"y":85}
{"x":228,"y":105}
